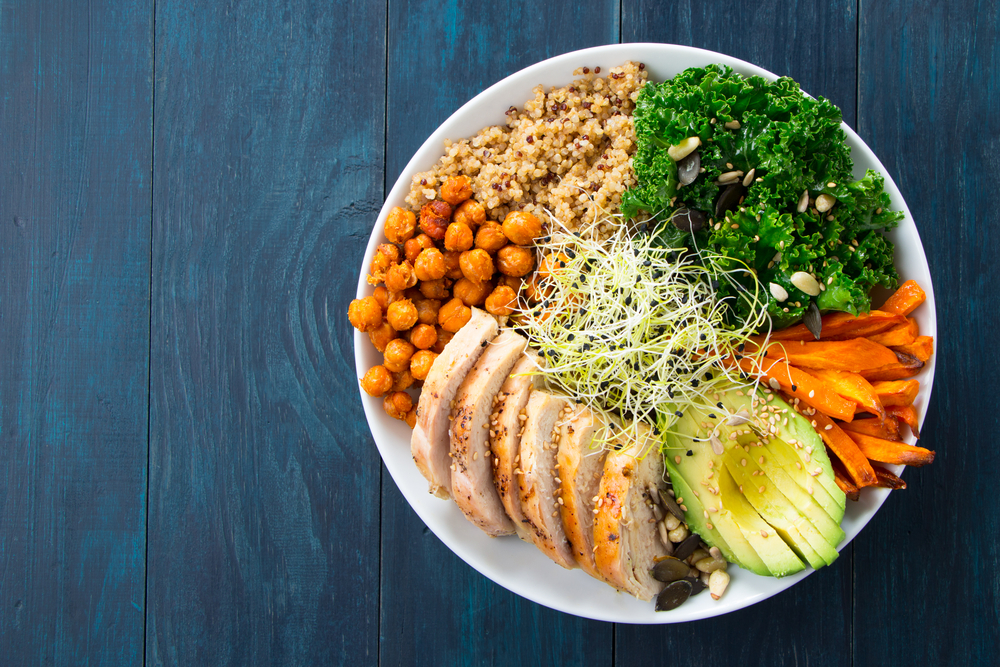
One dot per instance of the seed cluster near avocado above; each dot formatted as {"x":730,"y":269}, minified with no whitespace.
{"x":769,"y":500}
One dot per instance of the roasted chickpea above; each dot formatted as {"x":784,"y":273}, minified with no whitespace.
{"x":501,"y":301}
{"x":400,"y":277}
{"x":420,"y":364}
{"x":550,"y":263}
{"x":423,"y":336}
{"x":452,"y":260}
{"x":514,"y":261}
{"x":472,"y":294}
{"x":443,"y":338}
{"x":456,"y":189}
{"x":470,"y":213}
{"x":521,"y":227}
{"x":416,"y":245}
{"x":381,"y":335}
{"x":436,"y":289}
{"x":397,"y":404}
{"x":377,"y":381}
{"x":364,"y":314}
{"x":385,"y":256}
{"x":400,"y":225}
{"x":490,"y":237}
{"x":411,"y":418}
{"x":512,"y":282}
{"x":402,"y":380}
{"x":454,"y":315}
{"x":430,"y":265}
{"x":402,"y":315}
{"x":427,"y":310}
{"x":458,"y":237}
{"x":397,"y":354}
{"x":434,"y":219}
{"x":477,"y":265}
{"x":381,"y":295}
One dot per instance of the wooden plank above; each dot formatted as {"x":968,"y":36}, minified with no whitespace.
{"x":75,"y":119}
{"x":929,"y":94}
{"x":815,"y":45}
{"x":435,"y":609}
{"x":264,"y":485}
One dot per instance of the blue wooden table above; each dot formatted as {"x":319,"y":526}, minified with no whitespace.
{"x":186,"y":474}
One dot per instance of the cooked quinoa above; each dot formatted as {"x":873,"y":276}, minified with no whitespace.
{"x":568,"y":151}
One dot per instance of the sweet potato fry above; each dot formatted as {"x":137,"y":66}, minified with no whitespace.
{"x":908,"y":415}
{"x":851,"y":386}
{"x":902,"y":334}
{"x":887,"y":479}
{"x":842,"y":355}
{"x":905,"y":300}
{"x":922,"y":348}
{"x":887,"y":451}
{"x":842,"y":326}
{"x":896,"y":392}
{"x":801,"y":385}
{"x":849,"y":488}
{"x":887,"y":428}
{"x":846,"y":450}
{"x":906,"y":366}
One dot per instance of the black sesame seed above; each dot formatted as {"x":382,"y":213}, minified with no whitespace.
{"x":678,"y":413}
{"x":795,"y":388}
{"x":711,"y":415}
{"x":703,"y":337}
{"x":690,"y":453}
{"x":720,"y":405}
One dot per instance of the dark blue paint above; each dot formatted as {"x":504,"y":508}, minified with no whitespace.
{"x":273,"y":537}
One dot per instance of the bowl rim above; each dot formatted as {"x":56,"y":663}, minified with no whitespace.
{"x":379,"y":423}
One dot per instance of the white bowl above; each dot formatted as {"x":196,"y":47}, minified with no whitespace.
{"x":519,"y":566}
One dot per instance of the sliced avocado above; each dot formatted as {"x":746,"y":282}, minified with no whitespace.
{"x":776,"y":509}
{"x":759,"y":459}
{"x":784,"y":456}
{"x":777,"y":556}
{"x":695,"y":517}
{"x":808,"y":446}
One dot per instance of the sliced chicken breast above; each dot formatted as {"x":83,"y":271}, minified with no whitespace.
{"x":472,"y":421}
{"x":626,"y":541}
{"x":430,"y":444}
{"x":505,"y":442}
{"x":536,"y":475}
{"x":581,"y":465}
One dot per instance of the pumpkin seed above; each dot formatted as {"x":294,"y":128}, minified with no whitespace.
{"x":671,"y":504}
{"x":673,"y":595}
{"x":813,"y":320}
{"x":670,"y":569}
{"x":688,"y":169}
{"x":688,"y":220}
{"x":687,"y":547}
{"x":729,"y":200}
{"x":697,"y":585}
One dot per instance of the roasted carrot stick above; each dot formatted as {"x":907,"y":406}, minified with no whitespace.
{"x":887,"y":451}
{"x":801,"y":385}
{"x":922,"y":348}
{"x":846,"y":450}
{"x":855,"y":354}
{"x":905,"y":299}
{"x":896,"y":392}
{"x":887,"y":479}
{"x":887,"y":428}
{"x":849,"y":488}
{"x":906,"y":366}
{"x":839,"y":326}
{"x":908,"y":415}
{"x":902,"y":334}
{"x":851,"y":386}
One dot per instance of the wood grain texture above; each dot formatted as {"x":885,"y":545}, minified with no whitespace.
{"x":263,"y":539}
{"x":75,"y":123}
{"x":436,"y":610}
{"x":814,"y":43}
{"x":930,"y":90}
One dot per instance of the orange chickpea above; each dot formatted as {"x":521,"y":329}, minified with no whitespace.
{"x":397,"y":354}
{"x":456,"y":189}
{"x":381,"y":295}
{"x":521,"y":227}
{"x":443,"y":338}
{"x":402,"y":380}
{"x":416,"y":245}
{"x":364,"y":314}
{"x":411,"y":418}
{"x":377,"y":381}
{"x":550,"y":263}
{"x":424,"y":336}
{"x":454,"y":315}
{"x":470,"y":213}
{"x":400,"y":277}
{"x":420,"y":364}
{"x":400,"y":225}
{"x":435,"y":289}
{"x":512,"y":282}
{"x":397,"y":404}
{"x":477,"y":265}
{"x":452,"y":260}
{"x":515,"y":261}
{"x":472,"y":294}
{"x":430,"y":265}
{"x":490,"y":237}
{"x":458,"y":237}
{"x":427,"y":310}
{"x":385,"y":256}
{"x":501,"y":301}
{"x":402,"y":315}
{"x":434,"y":219}
{"x":381,"y":335}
